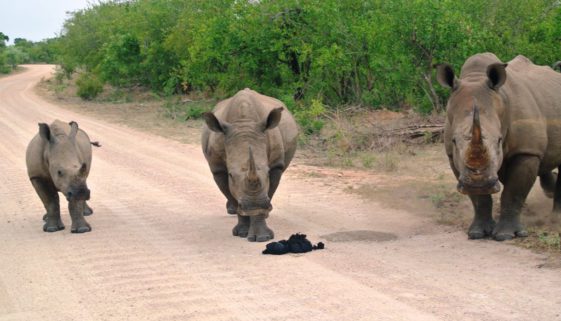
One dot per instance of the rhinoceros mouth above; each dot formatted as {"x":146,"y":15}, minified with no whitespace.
{"x":485,"y":188}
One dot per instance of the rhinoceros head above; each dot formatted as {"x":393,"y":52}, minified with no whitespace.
{"x":66,"y":170}
{"x":474,"y":134}
{"x":247,"y":162}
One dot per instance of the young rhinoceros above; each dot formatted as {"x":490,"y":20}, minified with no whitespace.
{"x":248,"y":142}
{"x":58,"y":160}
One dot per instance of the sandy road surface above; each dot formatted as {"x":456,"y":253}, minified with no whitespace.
{"x":161,"y":246}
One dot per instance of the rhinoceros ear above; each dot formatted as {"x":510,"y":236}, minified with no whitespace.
{"x":273,"y":119}
{"x":497,"y":75}
{"x":214,"y":124}
{"x":45,"y":132}
{"x":73,"y":129}
{"x":445,"y":76}
{"x":557,"y":65}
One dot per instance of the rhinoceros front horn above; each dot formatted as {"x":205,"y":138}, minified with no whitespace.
{"x":252,"y":177}
{"x":476,"y":127}
{"x":477,"y":156}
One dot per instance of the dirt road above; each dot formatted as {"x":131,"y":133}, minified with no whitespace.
{"x":161,"y":246}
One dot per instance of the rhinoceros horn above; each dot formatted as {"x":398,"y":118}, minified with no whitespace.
{"x":252,"y":177}
{"x":477,"y":157}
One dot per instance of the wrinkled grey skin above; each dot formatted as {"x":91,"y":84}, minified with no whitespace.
{"x":249,"y":141}
{"x":503,"y":124}
{"x":58,"y":160}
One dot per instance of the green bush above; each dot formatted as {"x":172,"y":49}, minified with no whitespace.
{"x":310,"y":118}
{"x":368,"y":53}
{"x":89,"y":86}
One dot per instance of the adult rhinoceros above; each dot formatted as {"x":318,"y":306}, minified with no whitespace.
{"x":503,"y":124}
{"x":249,"y":141}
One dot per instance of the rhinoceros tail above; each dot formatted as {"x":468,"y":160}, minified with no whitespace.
{"x":96,"y":144}
{"x":557,"y":66}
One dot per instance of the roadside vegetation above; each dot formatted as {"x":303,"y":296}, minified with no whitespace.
{"x":23,"y":52}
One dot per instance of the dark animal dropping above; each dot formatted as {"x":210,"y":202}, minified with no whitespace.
{"x":297,"y":243}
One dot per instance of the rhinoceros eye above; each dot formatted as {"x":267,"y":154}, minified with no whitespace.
{"x":500,"y":141}
{"x":60,"y":174}
{"x":454,"y":141}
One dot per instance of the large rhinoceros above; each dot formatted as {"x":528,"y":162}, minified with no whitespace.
{"x":58,"y":160}
{"x":503,"y":124}
{"x":249,"y":141}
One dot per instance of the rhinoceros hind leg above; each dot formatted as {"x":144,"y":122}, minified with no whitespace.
{"x":242,"y":228}
{"x":258,"y":229}
{"x":547,"y":182}
{"x":87,"y":210}
{"x":557,"y":197}
{"x":483,"y":223}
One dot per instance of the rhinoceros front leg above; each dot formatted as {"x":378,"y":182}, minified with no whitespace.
{"x":521,"y":173}
{"x":221,"y":179}
{"x":258,"y":229}
{"x":242,"y":228}
{"x":274,"y":180}
{"x":483,"y":222}
{"x":49,"y":196}
{"x":79,"y":224}
{"x":87,"y":211}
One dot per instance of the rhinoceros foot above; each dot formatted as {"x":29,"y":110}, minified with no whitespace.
{"x":481,"y":229}
{"x":87,"y":210}
{"x":52,"y":224}
{"x":258,"y":230}
{"x":242,"y":228}
{"x":508,"y":229}
{"x":81,"y":227}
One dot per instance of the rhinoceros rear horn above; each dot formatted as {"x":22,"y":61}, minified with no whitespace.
{"x":73,"y":129}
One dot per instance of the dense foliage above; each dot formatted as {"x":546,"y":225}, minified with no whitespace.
{"x":374,"y":53}
{"x":24,"y":51}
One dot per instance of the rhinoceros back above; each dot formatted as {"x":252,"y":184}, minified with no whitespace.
{"x":251,"y":104}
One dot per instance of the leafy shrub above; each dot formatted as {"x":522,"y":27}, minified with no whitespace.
{"x":362,"y":52}
{"x":309,"y":118}
{"x":89,"y":86}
